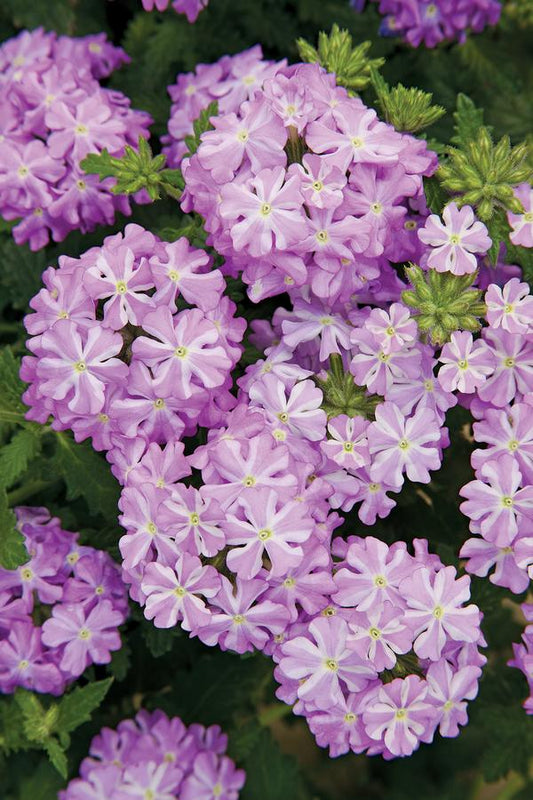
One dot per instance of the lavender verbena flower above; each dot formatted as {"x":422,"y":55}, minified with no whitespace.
{"x":466,"y":364}
{"x":78,"y":588}
{"x":510,"y":307}
{"x":398,"y":445}
{"x":56,"y":113}
{"x":453,"y":245}
{"x":497,"y":503}
{"x":157,"y":757}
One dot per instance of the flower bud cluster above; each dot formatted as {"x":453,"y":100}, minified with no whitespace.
{"x":54,"y":112}
{"x":152,"y":756}
{"x":133,"y":342}
{"x":429,"y":22}
{"x":393,"y":657}
{"x":60,"y":611}
{"x":229,"y":82}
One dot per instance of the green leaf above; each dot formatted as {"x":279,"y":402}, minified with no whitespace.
{"x":511,"y":743}
{"x":12,"y":408}
{"x":87,"y":475}
{"x":12,"y":550}
{"x":20,"y":274}
{"x":120,"y":663}
{"x":42,"y":784}
{"x":16,"y":455}
{"x":57,"y":756}
{"x":436,"y":197}
{"x":270,"y":775}
{"x":467,"y":120}
{"x":159,"y":640}
{"x":76,"y":707}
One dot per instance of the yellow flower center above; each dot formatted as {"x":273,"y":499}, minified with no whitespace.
{"x":380,"y":581}
{"x":151,"y":528}
{"x":249,"y":481}
{"x":528,"y":216}
{"x":99,"y":590}
{"x":317,"y":186}
{"x":428,"y":385}
{"x":159,"y":403}
{"x":24,"y":664}
{"x":331,"y":664}
{"x":266,"y":208}
{"x":84,"y":633}
{"x":508,"y":362}
{"x":401,"y":713}
{"x":238,"y":619}
{"x":121,"y":287}
{"x":179,"y":591}
{"x":403,"y":444}
{"x":348,"y":447}
{"x":374,"y":633}
{"x":357,"y":142}
{"x":26,"y":574}
{"x":289,"y":583}
{"x":103,"y":418}
{"x":374,"y":487}
{"x":80,"y":366}
{"x":180,"y":352}
{"x":81,"y":130}
{"x":410,"y":225}
{"x":194,"y":518}
{"x":23,"y":171}
{"x":264,"y":534}
{"x":81,"y":185}
{"x":438,"y":612}
{"x":507,"y":502}
{"x":462,"y":364}
{"x":454,"y":238}
{"x":350,"y":717}
{"x":376,"y":208}
{"x":242,"y":136}
{"x":513,"y":444}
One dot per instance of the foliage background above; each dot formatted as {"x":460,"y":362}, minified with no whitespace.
{"x":491,"y":758}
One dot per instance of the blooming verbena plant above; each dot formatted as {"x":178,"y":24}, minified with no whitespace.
{"x":429,"y":22}
{"x":60,"y":611}
{"x":152,"y":756}
{"x":55,"y":112}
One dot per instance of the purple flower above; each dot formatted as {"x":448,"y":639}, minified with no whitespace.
{"x":114,"y":276}
{"x":84,"y":637}
{"x":496,"y":502}
{"x":324,"y":662}
{"x":448,"y":691}
{"x":270,"y":208}
{"x":466,"y":364}
{"x":180,"y":350}
{"x":454,"y":242}
{"x":172,"y":594}
{"x":400,"y":715}
{"x":300,"y":413}
{"x":267,"y":530}
{"x":348,"y":442}
{"x":435,"y":611}
{"x":510,"y":307}
{"x":380,"y":634}
{"x":212,"y":777}
{"x":513,"y":354}
{"x":393,"y":330}
{"x":79,"y":363}
{"x":373,"y":575}
{"x":23,"y":661}
{"x":400,"y":445}
{"x":244,"y":619}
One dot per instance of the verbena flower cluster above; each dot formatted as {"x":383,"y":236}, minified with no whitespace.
{"x":133,"y":343}
{"x":157,"y":758}
{"x":229,"y":81}
{"x":391,"y":614}
{"x":55,"y":112}
{"x":304,"y":187}
{"x":429,"y":22}
{"x":523,"y":654}
{"x":60,"y":612}
{"x":191,"y":8}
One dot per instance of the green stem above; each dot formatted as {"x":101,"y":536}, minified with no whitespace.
{"x":274,"y":713}
{"x":17,"y":496}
